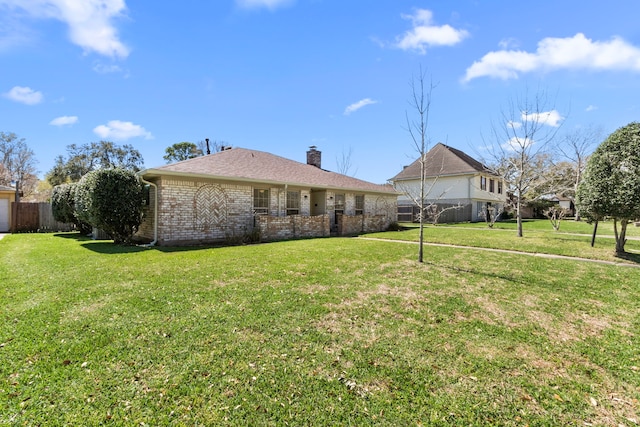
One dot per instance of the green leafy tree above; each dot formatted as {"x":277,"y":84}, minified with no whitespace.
{"x":111,"y":200}
{"x":85,"y":158}
{"x":610,"y":186}
{"x":182,"y":151}
{"x":63,"y":206}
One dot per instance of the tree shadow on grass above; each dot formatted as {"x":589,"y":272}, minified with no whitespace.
{"x":107,"y":247}
{"x":630,"y":256}
{"x":75,"y":235}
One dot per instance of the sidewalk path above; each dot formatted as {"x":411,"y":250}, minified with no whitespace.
{"x":507,"y":251}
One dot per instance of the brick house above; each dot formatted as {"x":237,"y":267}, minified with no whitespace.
{"x":238,"y":192}
{"x":453,"y":179}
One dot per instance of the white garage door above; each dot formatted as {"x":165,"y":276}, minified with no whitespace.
{"x":4,"y":215}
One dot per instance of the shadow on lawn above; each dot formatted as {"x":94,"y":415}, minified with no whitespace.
{"x":630,"y":256}
{"x":109,"y":248}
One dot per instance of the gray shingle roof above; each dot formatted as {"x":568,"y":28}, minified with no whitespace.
{"x":241,"y":164}
{"x":443,"y":160}
{"x":5,"y":188}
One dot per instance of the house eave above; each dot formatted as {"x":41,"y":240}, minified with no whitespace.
{"x":156,"y":173}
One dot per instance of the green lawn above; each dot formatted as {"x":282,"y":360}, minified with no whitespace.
{"x":314,"y":332}
{"x":573,"y":239}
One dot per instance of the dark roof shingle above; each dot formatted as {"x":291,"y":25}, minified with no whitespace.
{"x":443,"y":160}
{"x":241,"y":164}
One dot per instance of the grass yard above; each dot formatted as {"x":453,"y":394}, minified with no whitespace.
{"x":573,"y":239}
{"x":314,"y":332}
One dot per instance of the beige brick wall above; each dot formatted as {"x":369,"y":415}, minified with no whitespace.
{"x":200,"y":211}
{"x":293,"y":226}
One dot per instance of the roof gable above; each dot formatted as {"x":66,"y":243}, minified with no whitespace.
{"x":240,"y":164}
{"x":443,"y":160}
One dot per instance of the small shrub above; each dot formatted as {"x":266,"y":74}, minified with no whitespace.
{"x":394,"y":226}
{"x":111,"y":200}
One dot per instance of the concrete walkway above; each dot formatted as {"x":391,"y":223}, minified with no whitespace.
{"x":2,"y":235}
{"x":507,"y":251}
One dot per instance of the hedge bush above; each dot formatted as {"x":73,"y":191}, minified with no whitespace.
{"x":111,"y":200}
{"x":63,"y":206}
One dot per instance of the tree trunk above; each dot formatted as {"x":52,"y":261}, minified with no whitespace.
{"x":421,"y":232}
{"x":519,"y":218}
{"x":621,"y":239}
{"x":593,"y":236}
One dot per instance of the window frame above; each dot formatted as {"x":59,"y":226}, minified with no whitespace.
{"x":359,"y":204}
{"x":292,"y":204}
{"x":335,"y":203}
{"x":483,"y":183}
{"x":261,"y":196}
{"x":492,"y":185}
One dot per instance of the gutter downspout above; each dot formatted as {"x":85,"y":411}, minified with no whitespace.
{"x":155,"y":212}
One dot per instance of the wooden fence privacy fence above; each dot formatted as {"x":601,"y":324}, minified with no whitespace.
{"x":35,"y":217}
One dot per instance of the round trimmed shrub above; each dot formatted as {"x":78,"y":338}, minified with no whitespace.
{"x":63,"y":206}
{"x":111,"y":200}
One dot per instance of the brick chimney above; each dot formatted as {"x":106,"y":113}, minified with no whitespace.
{"x":314,"y":157}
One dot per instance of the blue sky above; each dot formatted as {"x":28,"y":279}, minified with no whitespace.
{"x":281,"y":75}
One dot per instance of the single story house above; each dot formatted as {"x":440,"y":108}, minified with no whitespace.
{"x":457,"y":187}
{"x":7,"y":196}
{"x":240,"y":193}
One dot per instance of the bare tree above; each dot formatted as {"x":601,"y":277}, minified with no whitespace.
{"x":420,"y":102}
{"x":19,"y":163}
{"x":527,"y":127}
{"x":576,"y":147}
{"x":344,"y":163}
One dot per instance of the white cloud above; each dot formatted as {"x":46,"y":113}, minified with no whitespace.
{"x":358,"y":105}
{"x":550,"y":118}
{"x":24,"y":95}
{"x":64,"y":121}
{"x":425,"y":34}
{"x":514,"y":125}
{"x":269,"y":4}
{"x":516,"y":144}
{"x":591,"y":108}
{"x":577,"y":52}
{"x":106,"y":69}
{"x":90,"y":22}
{"x":119,"y":130}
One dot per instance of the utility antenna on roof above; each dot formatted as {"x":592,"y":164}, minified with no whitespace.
{"x":208,"y":149}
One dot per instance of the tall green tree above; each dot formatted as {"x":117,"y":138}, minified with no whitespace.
{"x":85,"y":158}
{"x":610,"y":186}
{"x":182,"y":151}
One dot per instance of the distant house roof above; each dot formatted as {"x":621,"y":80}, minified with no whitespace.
{"x":241,"y":164}
{"x":443,"y":160}
{"x":5,"y":188}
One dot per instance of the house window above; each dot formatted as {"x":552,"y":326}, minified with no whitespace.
{"x":483,"y":183}
{"x":339,"y":205}
{"x":359,"y":204}
{"x":293,"y":202}
{"x":499,"y":187}
{"x":260,"y":201}
{"x":492,"y":186}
